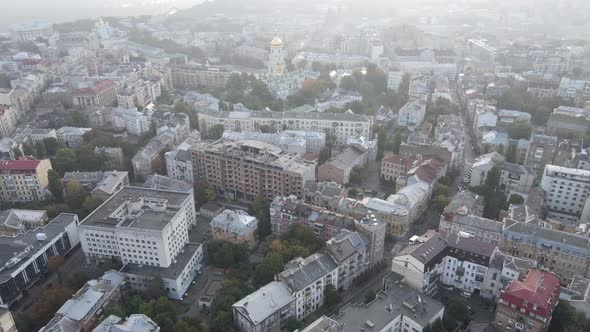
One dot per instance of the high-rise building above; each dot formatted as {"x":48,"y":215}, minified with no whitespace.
{"x":567,"y":193}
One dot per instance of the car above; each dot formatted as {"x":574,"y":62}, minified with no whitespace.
{"x":465,"y":294}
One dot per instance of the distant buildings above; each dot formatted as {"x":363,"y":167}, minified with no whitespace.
{"x":338,"y":168}
{"x":30,"y":31}
{"x":234,"y":226}
{"x":340,"y":125}
{"x":24,"y":180}
{"x":25,"y":255}
{"x":100,"y":184}
{"x":528,"y":303}
{"x":146,"y":229}
{"x":246,"y":169}
{"x":103,"y":93}
{"x":328,"y":195}
{"x":192,"y":76}
{"x":568,"y":120}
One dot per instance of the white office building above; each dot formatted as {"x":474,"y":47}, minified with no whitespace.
{"x":567,"y":192}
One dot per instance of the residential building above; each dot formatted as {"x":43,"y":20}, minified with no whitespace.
{"x":113,"y":157}
{"x":247,"y":169}
{"x":394,"y":80}
{"x":179,"y":162}
{"x":324,"y":324}
{"x":25,"y":255}
{"x":482,"y":165}
{"x":103,"y":93}
{"x":191,"y":76}
{"x":511,"y":117}
{"x":516,"y":178}
{"x":138,"y":93}
{"x":457,"y":261}
{"x":267,"y":309}
{"x":369,"y":145}
{"x":502,"y":270}
{"x":16,"y":221}
{"x":35,"y":135}
{"x":373,"y":230}
{"x":178,"y":123}
{"x":327,"y":195}
{"x":85,"y":307}
{"x":7,"y":121}
{"x":484,"y":116}
{"x":287,"y":211}
{"x":349,"y":252}
{"x":147,"y":159}
{"x":234,"y":226}
{"x":291,"y":141}
{"x":8,"y":146}
{"x":338,"y":100}
{"x":340,"y":125}
{"x":567,"y":193}
{"x":133,"y":323}
{"x":24,"y":180}
{"x":568,"y":120}
{"x":570,"y":88}
{"x":101,"y":185}
{"x":563,"y":253}
{"x":147,"y":230}
{"x":481,"y":228}
{"x":396,"y":307}
{"x":7,"y":322}
{"x":71,"y":136}
{"x":307,"y":279}
{"x":130,"y":119}
{"x":338,"y":168}
{"x":393,"y":166}
{"x":161,"y":182}
{"x":447,"y":70}
{"x":411,"y":115}
{"x":528,"y":303}
{"x":450,"y":134}
{"x":540,"y":152}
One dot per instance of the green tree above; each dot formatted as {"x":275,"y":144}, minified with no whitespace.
{"x":397,"y":141}
{"x":65,"y":160}
{"x":519,"y":130}
{"x":294,"y":324}
{"x":215,"y":132}
{"x":51,"y":145}
{"x":55,"y":185}
{"x":17,"y":153}
{"x":155,"y":289}
{"x":331,"y":296}
{"x":493,"y":178}
{"x":348,"y":83}
{"x":440,"y":202}
{"x":28,"y":149}
{"x":370,"y":296}
{"x":270,"y":265}
{"x":88,"y":160}
{"x":260,"y":208}
{"x":566,"y":318}
{"x":356,"y":175}
{"x":40,"y":152}
{"x":458,"y":310}
{"x":211,"y":195}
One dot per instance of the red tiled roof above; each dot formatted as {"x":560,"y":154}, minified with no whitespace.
{"x":539,"y":290}
{"x":23,"y":164}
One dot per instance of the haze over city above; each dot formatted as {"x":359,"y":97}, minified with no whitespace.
{"x":294,"y":165}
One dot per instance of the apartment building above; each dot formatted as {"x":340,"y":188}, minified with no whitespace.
{"x":267,"y":309}
{"x":340,"y":125}
{"x":567,"y":193}
{"x":349,"y":252}
{"x":338,"y":168}
{"x":23,"y":180}
{"x":178,"y":123}
{"x":307,"y":279}
{"x":133,"y":121}
{"x":291,"y":141}
{"x":139,"y":93}
{"x":456,"y":261}
{"x":327,"y":195}
{"x":148,"y":158}
{"x":235,"y":226}
{"x":147,"y":230}
{"x":540,"y":152}
{"x":100,"y":184}
{"x":7,"y":121}
{"x":568,"y":120}
{"x":564,"y":254}
{"x":85,"y":307}
{"x":24,"y":255}
{"x":194,"y":76}
{"x":393,"y":166}
{"x":411,"y":115}
{"x":179,"y":161}
{"x":103,"y":93}
{"x":502,"y":270}
{"x":528,"y":304}
{"x":247,"y":169}
{"x":135,"y":322}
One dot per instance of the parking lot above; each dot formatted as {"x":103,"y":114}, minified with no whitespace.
{"x":481,"y":310}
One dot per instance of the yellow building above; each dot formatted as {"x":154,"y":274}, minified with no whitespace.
{"x":23,"y":180}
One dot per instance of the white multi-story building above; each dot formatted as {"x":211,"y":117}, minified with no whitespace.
{"x":370,"y":145}
{"x":307,"y":279}
{"x":135,"y":122}
{"x":567,"y":193}
{"x":179,"y":164}
{"x":394,"y":80}
{"x":448,"y":70}
{"x":349,"y":251}
{"x":147,"y":230}
{"x":411,"y":115}
{"x":341,"y":125}
{"x":569,"y":88}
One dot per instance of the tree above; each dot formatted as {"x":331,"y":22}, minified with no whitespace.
{"x":511,"y":153}
{"x":260,"y":208}
{"x":40,"y":151}
{"x":55,"y":185}
{"x":458,"y":310}
{"x":225,"y":254}
{"x":221,"y":318}
{"x":270,"y":265}
{"x":216,"y":132}
{"x":348,"y":83}
{"x":211,"y":195}
{"x":90,"y":204}
{"x":370,"y":296}
{"x":520,"y":130}
{"x":355,"y":175}
{"x":51,"y":145}
{"x":493,"y":178}
{"x":17,"y":153}
{"x":440,"y":202}
{"x":28,"y":149}
{"x":54,"y":264}
{"x":566,"y":318}
{"x":516,"y":199}
{"x":88,"y":161}
{"x":331,"y":296}
{"x":48,"y":303}
{"x":397,"y":141}
{"x":65,"y":160}
{"x":294,"y":324}
{"x":155,"y":289}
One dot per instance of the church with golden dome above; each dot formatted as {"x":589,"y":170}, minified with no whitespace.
{"x":279,"y":80}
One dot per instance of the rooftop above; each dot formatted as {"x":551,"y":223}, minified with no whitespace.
{"x":235,"y":221}
{"x":537,"y":293}
{"x":265,"y":301}
{"x":300,"y":273}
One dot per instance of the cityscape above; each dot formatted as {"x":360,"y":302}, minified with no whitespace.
{"x":297,"y":166}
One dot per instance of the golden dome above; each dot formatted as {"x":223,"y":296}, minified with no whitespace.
{"x":276,"y":42}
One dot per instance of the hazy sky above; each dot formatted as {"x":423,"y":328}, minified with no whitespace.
{"x":14,"y":11}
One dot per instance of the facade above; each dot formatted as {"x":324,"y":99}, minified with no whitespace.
{"x":327,"y":195}
{"x":349,"y":251}
{"x":191,"y":76}
{"x":103,"y":93}
{"x":30,"y":31}
{"x":528,"y":303}
{"x":307,"y":279}
{"x":149,"y":157}
{"x":516,"y":178}
{"x":267,"y":309}
{"x":24,"y":180}
{"x":279,"y":80}
{"x":502,"y":270}
{"x":338,"y":168}
{"x":147,"y":230}
{"x":7,"y":121}
{"x":393,"y":166}
{"x":373,"y":230}
{"x":394,"y":80}
{"x":234,"y":226}
{"x":567,"y":193}
{"x":369,"y":145}
{"x":179,"y":162}
{"x":25,"y":255}
{"x":340,"y":125}
{"x":139,"y":93}
{"x":411,"y":115}
{"x":564,"y":254}
{"x":83,"y":310}
{"x":246,"y":169}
